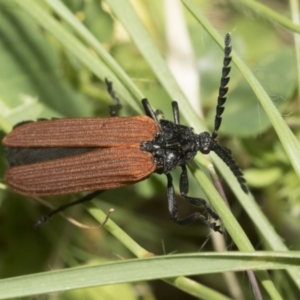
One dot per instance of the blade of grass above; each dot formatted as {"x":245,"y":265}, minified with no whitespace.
{"x":268,"y":13}
{"x":181,"y":282}
{"x":87,"y":36}
{"x":150,"y":52}
{"x":295,"y":13}
{"x":144,"y":269}
{"x":75,"y":47}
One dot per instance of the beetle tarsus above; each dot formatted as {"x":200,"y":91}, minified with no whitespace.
{"x":41,"y":221}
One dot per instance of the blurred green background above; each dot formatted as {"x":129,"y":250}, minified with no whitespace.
{"x":40,"y":78}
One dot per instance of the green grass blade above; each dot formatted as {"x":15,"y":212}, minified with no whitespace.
{"x":144,"y":269}
{"x":267,"y":12}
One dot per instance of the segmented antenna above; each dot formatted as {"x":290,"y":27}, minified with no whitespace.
{"x":222,"y":152}
{"x":226,"y":156}
{"x":223,"y":86}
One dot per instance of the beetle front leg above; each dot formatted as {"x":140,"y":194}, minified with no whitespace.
{"x":173,"y":210}
{"x":149,"y":110}
{"x":175,"y":112}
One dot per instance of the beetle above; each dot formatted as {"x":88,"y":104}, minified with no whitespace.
{"x":70,"y":155}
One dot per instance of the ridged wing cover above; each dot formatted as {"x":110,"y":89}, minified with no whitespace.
{"x":100,"y":169}
{"x":83,"y":132}
{"x":116,"y":161}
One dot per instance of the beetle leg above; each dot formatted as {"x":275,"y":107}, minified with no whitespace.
{"x":172,"y":206}
{"x":176,"y":112}
{"x":61,"y":208}
{"x":149,"y":110}
{"x":184,"y":189}
{"x":113,"y":109}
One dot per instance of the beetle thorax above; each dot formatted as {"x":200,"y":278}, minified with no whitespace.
{"x":174,"y":145}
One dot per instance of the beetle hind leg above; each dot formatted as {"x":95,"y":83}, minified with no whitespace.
{"x":44,"y":219}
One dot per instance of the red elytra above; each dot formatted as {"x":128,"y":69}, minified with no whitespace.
{"x":116,"y":161}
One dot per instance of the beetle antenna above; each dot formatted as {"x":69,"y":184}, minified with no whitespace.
{"x":223,"y":85}
{"x":225,"y":154}
{"x":222,"y":152}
